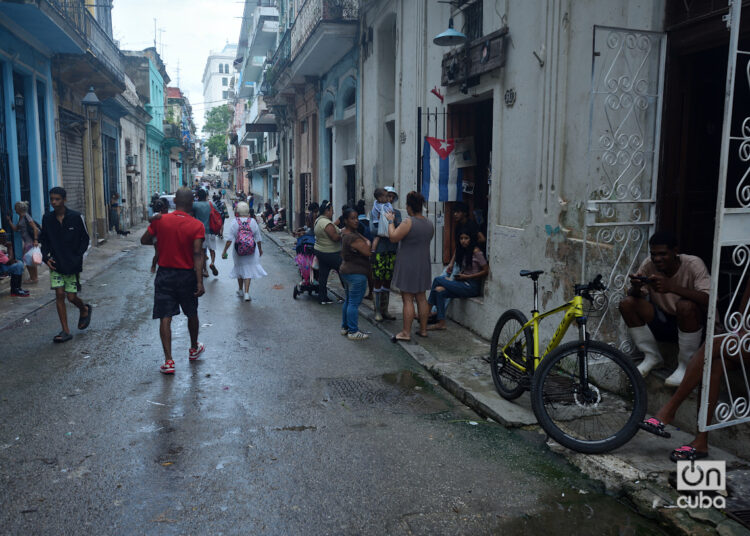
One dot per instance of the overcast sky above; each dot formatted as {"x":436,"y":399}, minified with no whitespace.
{"x":191,"y":29}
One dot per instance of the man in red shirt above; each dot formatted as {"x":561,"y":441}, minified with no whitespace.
{"x":179,"y":280}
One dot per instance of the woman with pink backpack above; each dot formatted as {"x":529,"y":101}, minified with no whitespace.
{"x":245,"y":233}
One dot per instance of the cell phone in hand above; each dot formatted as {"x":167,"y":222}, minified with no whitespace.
{"x":641,"y":278}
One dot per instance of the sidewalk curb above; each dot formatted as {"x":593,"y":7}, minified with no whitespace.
{"x":651,"y":496}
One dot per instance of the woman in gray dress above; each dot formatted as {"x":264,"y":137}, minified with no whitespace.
{"x":412,"y":273}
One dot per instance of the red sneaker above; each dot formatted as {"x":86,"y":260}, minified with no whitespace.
{"x":167,"y":367}
{"x":195,"y":352}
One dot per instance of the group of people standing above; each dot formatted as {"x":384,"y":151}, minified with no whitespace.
{"x":391,"y":250}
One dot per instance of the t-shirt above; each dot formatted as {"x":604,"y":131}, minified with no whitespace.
{"x":323,"y":242}
{"x":202,"y":213}
{"x":691,"y":274}
{"x":176,"y":232}
{"x":478,"y":262}
{"x":354,"y":261}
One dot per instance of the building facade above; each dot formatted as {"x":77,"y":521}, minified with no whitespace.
{"x":218,"y":74}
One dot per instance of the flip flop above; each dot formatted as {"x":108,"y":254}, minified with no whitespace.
{"x":62,"y":337}
{"x":83,"y":322}
{"x":214,"y":270}
{"x":434,"y":327}
{"x":687,"y":452}
{"x":396,"y":339}
{"x":421,"y":335}
{"x":654,"y":426}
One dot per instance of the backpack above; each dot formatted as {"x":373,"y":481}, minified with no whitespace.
{"x":245,"y":242}
{"x":215,"y":220}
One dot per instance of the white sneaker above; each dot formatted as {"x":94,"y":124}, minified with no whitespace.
{"x":359,"y":336}
{"x":240,"y":293}
{"x":344,"y":331}
{"x":247,"y":297}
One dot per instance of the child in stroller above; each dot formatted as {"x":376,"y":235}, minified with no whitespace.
{"x":307,"y":263}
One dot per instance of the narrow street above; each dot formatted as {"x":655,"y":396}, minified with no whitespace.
{"x":282,"y":427}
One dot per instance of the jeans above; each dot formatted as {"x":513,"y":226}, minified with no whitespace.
{"x":453,"y":289}
{"x":355,"y":286}
{"x":14,"y":269}
{"x":326,"y":263}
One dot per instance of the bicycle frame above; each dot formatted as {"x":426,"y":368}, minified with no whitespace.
{"x":573,"y":310}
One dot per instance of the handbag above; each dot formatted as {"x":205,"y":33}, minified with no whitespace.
{"x":383,"y":224}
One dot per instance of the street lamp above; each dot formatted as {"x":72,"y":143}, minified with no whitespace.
{"x":91,"y":105}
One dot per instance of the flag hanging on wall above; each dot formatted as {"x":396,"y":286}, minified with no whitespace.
{"x":441,"y":178}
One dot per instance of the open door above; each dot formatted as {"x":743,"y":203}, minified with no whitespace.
{"x":728,"y":328}
{"x":626,"y":105}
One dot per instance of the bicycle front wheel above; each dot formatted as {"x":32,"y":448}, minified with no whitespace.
{"x":509,"y":366}
{"x":589,"y":402}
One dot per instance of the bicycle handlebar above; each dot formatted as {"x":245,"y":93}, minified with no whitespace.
{"x":596,"y":284}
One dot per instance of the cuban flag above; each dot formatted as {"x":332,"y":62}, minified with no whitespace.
{"x":442,"y":179}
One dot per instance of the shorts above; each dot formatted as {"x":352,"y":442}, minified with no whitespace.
{"x":663,"y":325}
{"x":211,"y":241}
{"x":382,"y":266}
{"x":71,"y":282}
{"x":174,"y":289}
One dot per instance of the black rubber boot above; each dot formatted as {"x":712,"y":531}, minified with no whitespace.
{"x":15,"y":287}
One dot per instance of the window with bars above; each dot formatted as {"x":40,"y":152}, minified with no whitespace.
{"x":473,"y":15}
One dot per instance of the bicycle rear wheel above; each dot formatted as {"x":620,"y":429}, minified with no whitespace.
{"x":510,"y":381}
{"x":594,"y":414}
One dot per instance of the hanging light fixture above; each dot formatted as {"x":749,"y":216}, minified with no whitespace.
{"x":450,"y":37}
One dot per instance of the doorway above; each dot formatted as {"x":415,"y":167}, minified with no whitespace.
{"x":471,"y":121}
{"x":351,"y":186}
{"x":692,"y":134}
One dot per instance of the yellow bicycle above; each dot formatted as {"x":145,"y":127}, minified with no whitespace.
{"x":587,"y":395}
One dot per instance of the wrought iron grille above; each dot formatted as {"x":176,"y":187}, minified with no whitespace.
{"x":729,"y":346}
{"x":626,"y":99}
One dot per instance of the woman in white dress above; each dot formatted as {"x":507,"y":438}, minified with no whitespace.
{"x":246,"y":267}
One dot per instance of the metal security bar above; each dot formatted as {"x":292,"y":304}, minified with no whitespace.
{"x":627,"y":83}
{"x":728,"y":331}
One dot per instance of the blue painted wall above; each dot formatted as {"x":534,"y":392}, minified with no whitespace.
{"x":19,"y":57}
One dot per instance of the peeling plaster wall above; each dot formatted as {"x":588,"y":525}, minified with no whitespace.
{"x":540,"y":145}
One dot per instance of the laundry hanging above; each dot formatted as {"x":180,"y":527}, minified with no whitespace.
{"x":441,"y":178}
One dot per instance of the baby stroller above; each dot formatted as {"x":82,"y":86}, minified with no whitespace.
{"x":305,"y":260}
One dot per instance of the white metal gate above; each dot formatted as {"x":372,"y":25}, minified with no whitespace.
{"x":728,"y":330}
{"x":625,"y":123}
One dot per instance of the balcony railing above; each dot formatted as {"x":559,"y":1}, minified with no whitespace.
{"x":313,"y":12}
{"x":105,"y":49}
{"x":279,"y":61}
{"x":74,"y":12}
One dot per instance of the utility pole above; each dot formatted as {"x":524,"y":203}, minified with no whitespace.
{"x":154,"y":33}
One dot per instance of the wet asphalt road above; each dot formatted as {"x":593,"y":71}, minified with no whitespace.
{"x":283,"y":427}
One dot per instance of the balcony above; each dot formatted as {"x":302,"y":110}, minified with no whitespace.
{"x":323,"y":32}
{"x":258,"y":121}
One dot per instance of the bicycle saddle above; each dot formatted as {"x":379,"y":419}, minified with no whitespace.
{"x":533,"y":274}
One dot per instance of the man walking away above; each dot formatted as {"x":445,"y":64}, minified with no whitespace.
{"x":64,"y":241}
{"x":179,"y":280}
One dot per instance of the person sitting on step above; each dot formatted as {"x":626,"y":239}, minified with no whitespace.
{"x":667,"y":301}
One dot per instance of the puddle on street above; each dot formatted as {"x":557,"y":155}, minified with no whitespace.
{"x":407,"y":379}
